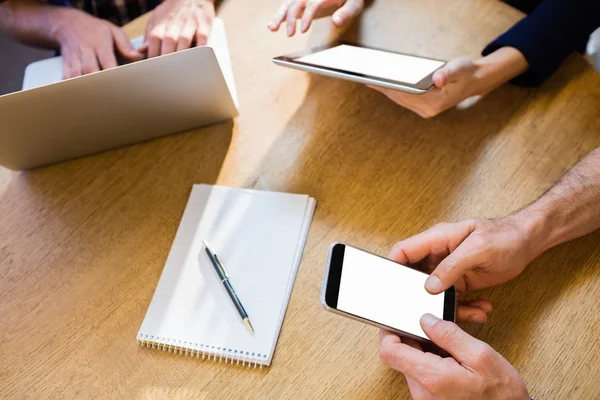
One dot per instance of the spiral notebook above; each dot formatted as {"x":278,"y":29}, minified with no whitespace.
{"x":260,"y":238}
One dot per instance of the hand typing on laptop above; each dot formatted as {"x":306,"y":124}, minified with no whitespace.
{"x":177,"y":24}
{"x":89,"y":44}
{"x":88,"y":35}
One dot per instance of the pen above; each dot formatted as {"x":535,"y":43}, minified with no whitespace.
{"x":224,"y":277}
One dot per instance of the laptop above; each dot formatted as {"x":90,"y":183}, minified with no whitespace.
{"x":52,"y":120}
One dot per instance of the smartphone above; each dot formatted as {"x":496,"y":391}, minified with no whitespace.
{"x":397,"y":71}
{"x":380,"y":292}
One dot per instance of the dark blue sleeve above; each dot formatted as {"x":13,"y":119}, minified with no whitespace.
{"x":548,"y":35}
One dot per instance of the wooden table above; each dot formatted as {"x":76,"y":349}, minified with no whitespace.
{"x":82,"y":243}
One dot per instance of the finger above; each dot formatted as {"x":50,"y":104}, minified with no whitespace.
{"x":145,"y":47}
{"x":279,"y":17}
{"x":153,"y":46}
{"x":204,"y":25}
{"x":123,"y":44}
{"x":468,"y":255}
{"x":75,"y":65}
{"x":186,"y":36}
{"x":412,"y":343}
{"x":169,"y":40}
{"x":398,"y":97}
{"x":89,"y":62}
{"x":405,"y":100}
{"x":394,"y":95}
{"x":309,"y":14}
{"x":66,"y":71}
{"x":292,"y":16}
{"x":106,"y":57}
{"x":483,"y":304}
{"x":346,"y":12}
{"x":448,"y":336}
{"x":67,"y":61}
{"x":466,"y":314}
{"x":453,"y":71}
{"x":440,"y":236}
{"x":379,"y":89}
{"x":403,"y":357}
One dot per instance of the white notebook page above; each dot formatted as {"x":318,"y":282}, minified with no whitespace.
{"x":259,"y":236}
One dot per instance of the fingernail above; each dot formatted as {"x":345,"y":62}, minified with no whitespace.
{"x":337,"y":19}
{"x":427,"y":320}
{"x":476,"y":319}
{"x":289,"y":30}
{"x":433,"y":284}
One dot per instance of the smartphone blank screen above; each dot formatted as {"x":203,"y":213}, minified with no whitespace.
{"x":376,"y":63}
{"x":382,"y":291}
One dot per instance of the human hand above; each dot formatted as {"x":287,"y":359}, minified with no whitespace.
{"x":87,"y":43}
{"x":454,"y":82}
{"x":307,"y":10}
{"x":470,"y":255}
{"x":175,"y":24}
{"x":475,"y":370}
{"x":461,"y":79}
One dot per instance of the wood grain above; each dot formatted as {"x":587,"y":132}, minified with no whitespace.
{"x":82,"y":243}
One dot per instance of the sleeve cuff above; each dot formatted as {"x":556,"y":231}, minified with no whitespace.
{"x":540,"y":66}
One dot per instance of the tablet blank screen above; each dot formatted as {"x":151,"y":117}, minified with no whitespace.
{"x":376,"y":63}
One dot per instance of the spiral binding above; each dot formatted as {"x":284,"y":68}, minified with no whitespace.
{"x":196,"y":350}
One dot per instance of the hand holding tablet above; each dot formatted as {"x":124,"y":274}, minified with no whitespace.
{"x":400,"y":76}
{"x":453,"y":83}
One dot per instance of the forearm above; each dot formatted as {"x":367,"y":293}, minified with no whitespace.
{"x":570,"y":209}
{"x":30,"y":22}
{"x":499,"y":67}
{"x":553,"y":30}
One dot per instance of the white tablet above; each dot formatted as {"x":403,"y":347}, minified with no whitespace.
{"x":376,"y":67}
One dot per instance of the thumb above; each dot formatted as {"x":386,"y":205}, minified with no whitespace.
{"x":123,"y":44}
{"x":347,"y":11}
{"x":465,"y":258}
{"x":453,"y":71}
{"x":448,"y":336}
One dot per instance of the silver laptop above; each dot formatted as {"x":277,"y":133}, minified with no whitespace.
{"x":52,"y":120}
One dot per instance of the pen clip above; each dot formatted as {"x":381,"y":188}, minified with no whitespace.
{"x":221,"y":265}
{"x":217,"y":259}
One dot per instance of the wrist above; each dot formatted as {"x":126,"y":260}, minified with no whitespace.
{"x":535,"y":231}
{"x":56,"y":23}
{"x":499,"y":67}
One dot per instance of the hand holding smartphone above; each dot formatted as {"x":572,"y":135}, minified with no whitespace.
{"x":380,"y":292}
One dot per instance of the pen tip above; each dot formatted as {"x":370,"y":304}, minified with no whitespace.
{"x":205,"y":244}
{"x":247,"y":321}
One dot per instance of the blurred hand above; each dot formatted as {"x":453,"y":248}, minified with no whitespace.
{"x":475,"y":370}
{"x":177,"y":24}
{"x":470,"y":255}
{"x":454,"y":82}
{"x":307,"y":10}
{"x":88,"y":44}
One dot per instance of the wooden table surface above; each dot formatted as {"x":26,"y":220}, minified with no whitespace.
{"x":82,"y":243}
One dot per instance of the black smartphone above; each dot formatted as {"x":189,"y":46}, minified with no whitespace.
{"x":380,"y":292}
